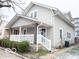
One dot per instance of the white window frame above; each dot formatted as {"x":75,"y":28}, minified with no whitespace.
{"x":24,"y":29}
{"x":70,"y":35}
{"x":33,"y":12}
{"x":62,"y":32}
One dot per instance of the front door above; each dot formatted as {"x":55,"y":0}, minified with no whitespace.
{"x":43,"y":31}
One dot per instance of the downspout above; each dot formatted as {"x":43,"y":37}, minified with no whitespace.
{"x":38,"y":30}
{"x":36,"y":37}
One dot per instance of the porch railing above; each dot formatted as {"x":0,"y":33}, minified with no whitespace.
{"x":28,"y":37}
{"x":44,"y":41}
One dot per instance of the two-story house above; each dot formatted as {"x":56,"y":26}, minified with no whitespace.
{"x":41,"y":24}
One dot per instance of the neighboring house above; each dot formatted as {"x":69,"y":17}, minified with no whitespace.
{"x":69,"y":16}
{"x":2,"y":28}
{"x":41,"y":24}
{"x":76,"y":22}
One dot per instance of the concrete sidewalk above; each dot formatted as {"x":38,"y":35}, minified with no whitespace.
{"x":53,"y":54}
{"x":7,"y":55}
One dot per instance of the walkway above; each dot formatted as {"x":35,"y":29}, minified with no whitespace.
{"x":7,"y":55}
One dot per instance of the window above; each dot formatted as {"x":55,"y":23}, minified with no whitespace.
{"x":68,"y":35}
{"x":16,"y":32}
{"x":25,"y":31}
{"x":43,"y":32}
{"x":61,"y":33}
{"x":77,"y":31}
{"x":33,"y":14}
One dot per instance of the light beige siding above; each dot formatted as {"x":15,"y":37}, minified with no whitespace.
{"x":43,"y":14}
{"x":21,"y":22}
{"x":58,"y":24}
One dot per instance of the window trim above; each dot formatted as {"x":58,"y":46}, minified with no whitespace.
{"x":32,"y":14}
{"x":62,"y":32}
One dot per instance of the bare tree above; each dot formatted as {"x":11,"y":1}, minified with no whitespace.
{"x":11,"y":3}
{"x":3,"y":5}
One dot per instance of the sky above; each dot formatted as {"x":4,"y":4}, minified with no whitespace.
{"x":62,"y":5}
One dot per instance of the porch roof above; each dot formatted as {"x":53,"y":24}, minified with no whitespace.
{"x":17,"y":16}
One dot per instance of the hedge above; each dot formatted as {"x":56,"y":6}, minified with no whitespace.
{"x":20,"y":46}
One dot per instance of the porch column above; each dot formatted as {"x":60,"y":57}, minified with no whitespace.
{"x":20,"y":30}
{"x":35,"y":33}
{"x":12,"y":31}
{"x":9,"y":33}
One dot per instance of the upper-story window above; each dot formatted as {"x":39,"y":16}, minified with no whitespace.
{"x":33,"y":14}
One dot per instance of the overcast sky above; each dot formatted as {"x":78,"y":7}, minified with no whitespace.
{"x":62,"y":5}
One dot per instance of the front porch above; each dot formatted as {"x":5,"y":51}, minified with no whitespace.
{"x":27,"y":29}
{"x":33,"y":34}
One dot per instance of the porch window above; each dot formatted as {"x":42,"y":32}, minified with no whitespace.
{"x":16,"y":32}
{"x":25,"y":31}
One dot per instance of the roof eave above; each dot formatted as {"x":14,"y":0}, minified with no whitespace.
{"x":65,"y":19}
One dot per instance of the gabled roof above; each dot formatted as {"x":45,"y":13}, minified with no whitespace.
{"x":42,"y":5}
{"x":17,"y":16}
{"x":65,"y":19}
{"x":54,"y":9}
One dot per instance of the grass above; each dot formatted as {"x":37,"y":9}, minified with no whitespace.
{"x":37,"y":54}
{"x":42,"y":52}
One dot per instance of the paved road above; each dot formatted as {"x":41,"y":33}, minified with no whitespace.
{"x":67,"y":56}
{"x":6,"y":55}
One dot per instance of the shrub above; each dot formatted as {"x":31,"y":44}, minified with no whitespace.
{"x":5,"y":43}
{"x":20,"y":46}
{"x":23,"y":46}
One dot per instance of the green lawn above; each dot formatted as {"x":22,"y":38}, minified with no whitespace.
{"x":37,"y":54}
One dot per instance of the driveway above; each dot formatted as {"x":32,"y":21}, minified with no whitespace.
{"x":69,"y":54}
{"x":7,"y":55}
{"x":66,"y":53}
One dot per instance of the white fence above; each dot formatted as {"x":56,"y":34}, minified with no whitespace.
{"x":28,"y":37}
